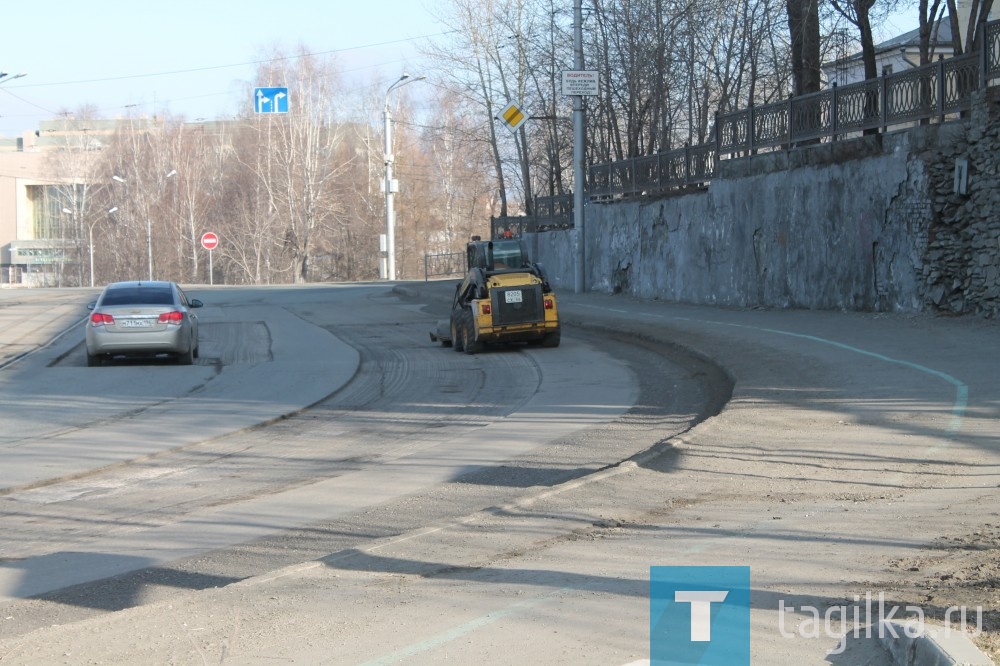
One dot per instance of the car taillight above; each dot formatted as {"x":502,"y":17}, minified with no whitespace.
{"x":100,"y":319}
{"x":486,"y":308}
{"x":549,"y":304}
{"x":174,"y":317}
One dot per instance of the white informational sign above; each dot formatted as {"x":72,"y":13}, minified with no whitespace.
{"x":580,"y":83}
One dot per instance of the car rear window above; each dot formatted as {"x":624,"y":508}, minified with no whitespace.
{"x":138,"y":296}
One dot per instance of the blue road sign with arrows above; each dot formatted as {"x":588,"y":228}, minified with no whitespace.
{"x":270,"y":100}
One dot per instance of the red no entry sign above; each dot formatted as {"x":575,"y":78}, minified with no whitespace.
{"x":209,"y":240}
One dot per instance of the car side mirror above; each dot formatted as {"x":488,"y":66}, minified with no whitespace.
{"x":195,"y":303}
{"x":91,"y":306}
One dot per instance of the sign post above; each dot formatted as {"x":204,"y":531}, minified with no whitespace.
{"x":210,"y":241}
{"x":579,"y":83}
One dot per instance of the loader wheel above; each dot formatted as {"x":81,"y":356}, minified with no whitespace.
{"x":551,"y":339}
{"x":456,"y":336}
{"x":468,"y":341}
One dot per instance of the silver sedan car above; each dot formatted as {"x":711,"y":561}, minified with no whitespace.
{"x":142,"y":319}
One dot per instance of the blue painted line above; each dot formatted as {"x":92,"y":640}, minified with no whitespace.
{"x":457,"y":632}
{"x":959,"y":406}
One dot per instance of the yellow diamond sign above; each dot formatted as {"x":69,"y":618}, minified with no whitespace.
{"x":513,"y":116}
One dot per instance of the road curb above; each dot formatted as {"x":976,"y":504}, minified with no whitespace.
{"x":907,"y":643}
{"x":911,"y":644}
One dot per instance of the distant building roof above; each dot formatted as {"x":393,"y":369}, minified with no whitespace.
{"x":940,"y":36}
{"x":908,"y":41}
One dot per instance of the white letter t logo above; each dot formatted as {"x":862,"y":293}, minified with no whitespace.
{"x":701,"y":611}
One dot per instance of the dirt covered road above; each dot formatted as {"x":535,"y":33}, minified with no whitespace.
{"x":839,"y":456}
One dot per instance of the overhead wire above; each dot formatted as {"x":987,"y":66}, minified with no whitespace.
{"x":259,"y":61}
{"x":241,"y":64}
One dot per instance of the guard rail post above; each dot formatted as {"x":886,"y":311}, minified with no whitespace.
{"x":983,"y":47}
{"x":884,"y":101}
{"x":834,"y":112}
{"x":942,"y":88}
{"x":687,"y":162}
{"x":718,"y":136}
{"x":789,"y":119}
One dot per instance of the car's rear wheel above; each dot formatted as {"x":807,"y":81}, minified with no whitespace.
{"x":94,"y":360}
{"x":186,"y":358}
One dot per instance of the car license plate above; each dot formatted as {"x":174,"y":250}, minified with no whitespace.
{"x":512,"y":296}
{"x":135,"y":323}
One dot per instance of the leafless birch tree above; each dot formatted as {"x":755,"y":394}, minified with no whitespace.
{"x":295,"y":158}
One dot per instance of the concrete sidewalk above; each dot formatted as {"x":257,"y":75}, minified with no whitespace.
{"x":902,"y":408}
{"x":857,"y":455}
{"x":31,"y":318}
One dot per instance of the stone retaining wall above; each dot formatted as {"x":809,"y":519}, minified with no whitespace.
{"x":866,"y":224}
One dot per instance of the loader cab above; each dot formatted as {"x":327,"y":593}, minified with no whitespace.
{"x":498,"y":255}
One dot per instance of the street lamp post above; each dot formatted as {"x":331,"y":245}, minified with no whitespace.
{"x":73,"y":215}
{"x":90,"y":238}
{"x":391,"y":186}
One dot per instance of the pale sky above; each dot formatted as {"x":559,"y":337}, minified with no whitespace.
{"x":194,"y":58}
{"x":186,"y":57}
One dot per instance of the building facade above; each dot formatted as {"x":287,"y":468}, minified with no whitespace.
{"x":40,"y":195}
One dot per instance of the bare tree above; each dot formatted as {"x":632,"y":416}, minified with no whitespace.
{"x":979,"y":11}
{"x":803,"y":26}
{"x":930,"y":14}
{"x":445,"y":171}
{"x":250,"y":231}
{"x":295,"y":154}
{"x":666,"y":67}
{"x":489,"y":62}
{"x":863,"y":14}
{"x":73,"y":164}
{"x":198,"y":183}
{"x":296,"y":198}
{"x":137,"y":170}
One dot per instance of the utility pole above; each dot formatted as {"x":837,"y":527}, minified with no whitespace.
{"x":578,"y":153}
{"x":391,"y":186}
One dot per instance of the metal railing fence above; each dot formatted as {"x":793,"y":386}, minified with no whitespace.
{"x":935,"y":92}
{"x":443,"y":265}
{"x":550,"y":213}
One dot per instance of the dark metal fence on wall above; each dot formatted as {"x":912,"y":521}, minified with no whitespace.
{"x":550,"y":213}
{"x":444,"y":265}
{"x":936,"y":92}
{"x":932,"y":92}
{"x":652,"y":174}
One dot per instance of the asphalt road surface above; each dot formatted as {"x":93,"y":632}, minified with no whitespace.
{"x":327,"y":486}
